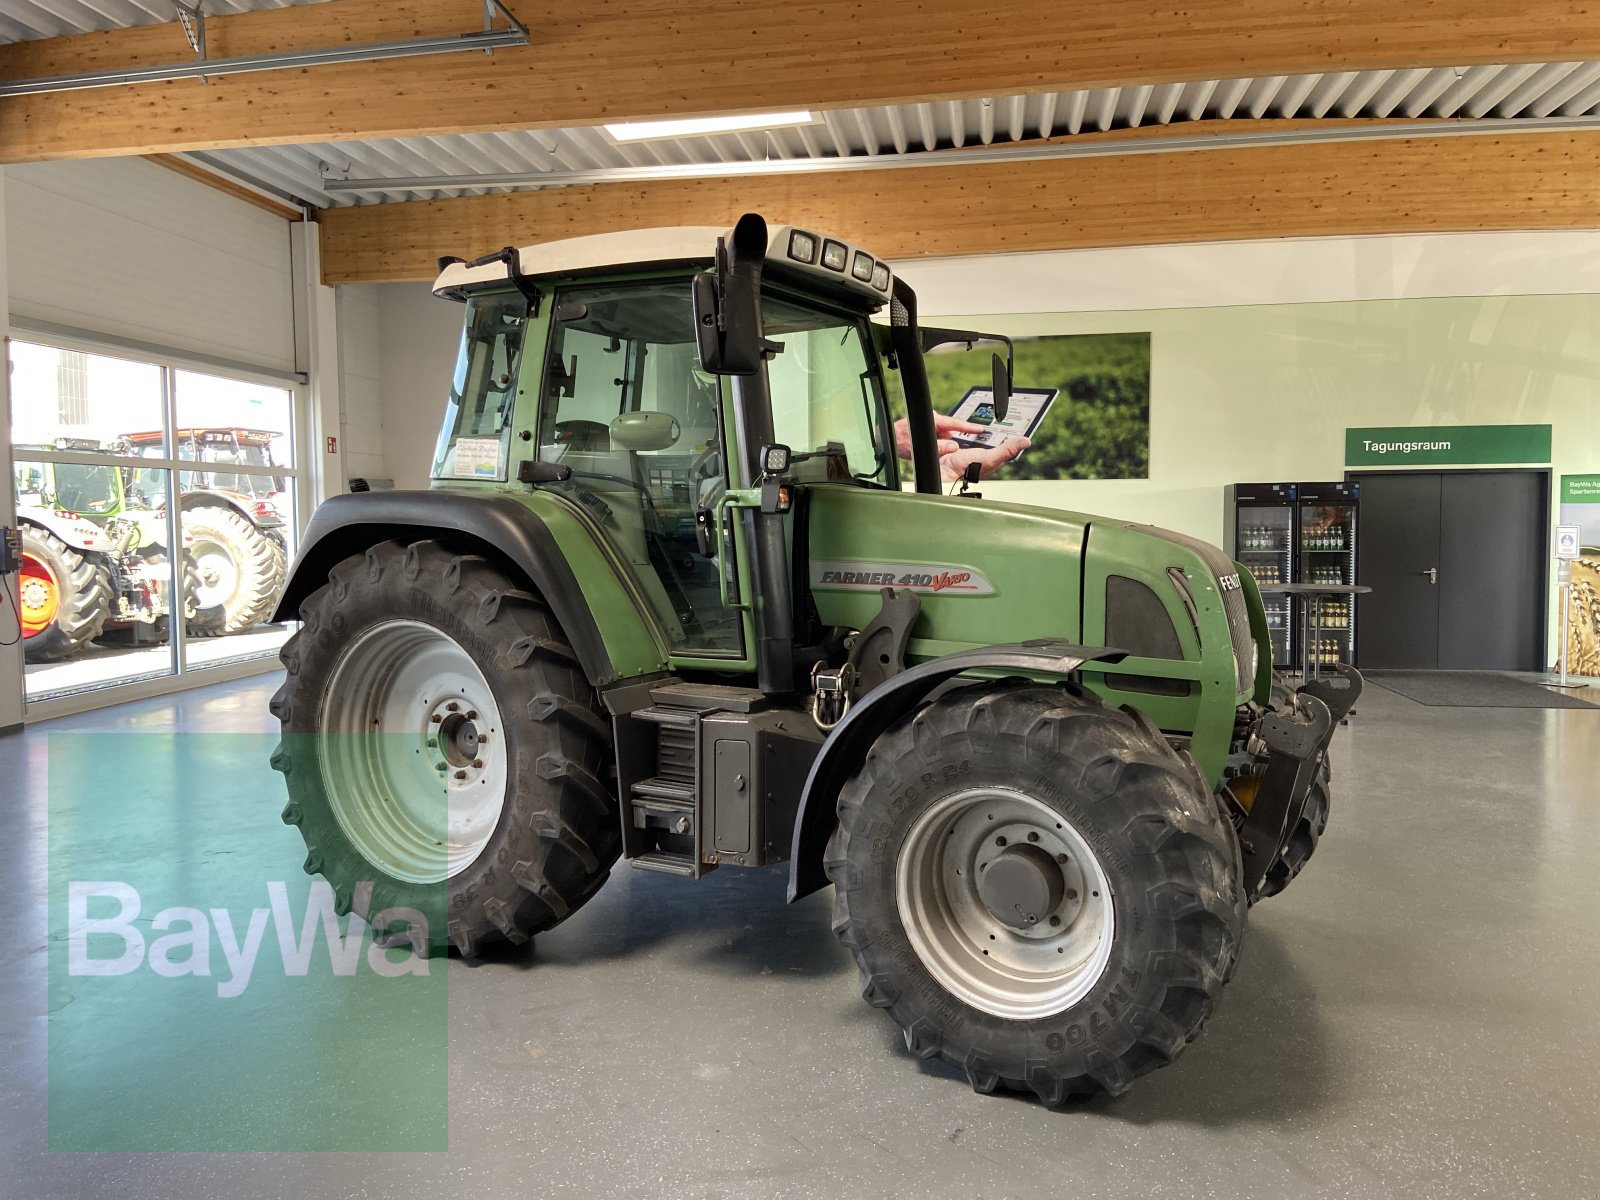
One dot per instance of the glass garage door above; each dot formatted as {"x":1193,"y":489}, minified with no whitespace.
{"x":157,"y":511}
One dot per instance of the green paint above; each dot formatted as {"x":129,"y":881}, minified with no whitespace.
{"x":1446,"y":445}
{"x":142,"y":1061}
{"x":1580,"y":489}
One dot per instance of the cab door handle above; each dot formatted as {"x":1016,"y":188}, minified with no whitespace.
{"x":1432,"y":573}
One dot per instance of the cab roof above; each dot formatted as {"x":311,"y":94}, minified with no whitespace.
{"x":795,"y":252}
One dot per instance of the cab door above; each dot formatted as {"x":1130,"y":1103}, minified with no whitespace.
{"x":625,"y":406}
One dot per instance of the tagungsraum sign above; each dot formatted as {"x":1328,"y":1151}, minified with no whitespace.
{"x":1446,"y":445}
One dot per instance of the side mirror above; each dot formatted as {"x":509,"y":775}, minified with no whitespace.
{"x":1002,"y":387}
{"x":727,"y":303}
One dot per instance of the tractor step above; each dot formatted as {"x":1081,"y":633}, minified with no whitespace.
{"x":669,"y":864}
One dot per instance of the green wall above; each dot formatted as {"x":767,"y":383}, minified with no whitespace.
{"x":1265,"y":392}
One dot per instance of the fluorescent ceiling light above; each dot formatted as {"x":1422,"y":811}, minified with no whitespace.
{"x":638,"y":131}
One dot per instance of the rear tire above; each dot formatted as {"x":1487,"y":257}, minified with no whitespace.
{"x":497,"y":828}
{"x":1137,"y":966}
{"x":241,"y":568}
{"x":65,"y":597}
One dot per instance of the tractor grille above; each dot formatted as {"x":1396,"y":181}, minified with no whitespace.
{"x":1234,"y":605}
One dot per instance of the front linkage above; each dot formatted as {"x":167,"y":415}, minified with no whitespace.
{"x":1276,"y":763}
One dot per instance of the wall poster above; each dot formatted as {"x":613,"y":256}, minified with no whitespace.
{"x":1095,"y":426}
{"x":1580,"y":506}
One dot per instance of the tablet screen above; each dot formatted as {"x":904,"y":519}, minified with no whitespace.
{"x":1027,"y":409}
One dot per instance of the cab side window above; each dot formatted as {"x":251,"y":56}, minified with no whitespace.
{"x":627,"y":408}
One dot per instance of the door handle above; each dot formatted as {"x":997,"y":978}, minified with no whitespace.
{"x":1432,"y":573}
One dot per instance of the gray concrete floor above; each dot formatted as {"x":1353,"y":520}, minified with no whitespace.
{"x":1415,"y":1016}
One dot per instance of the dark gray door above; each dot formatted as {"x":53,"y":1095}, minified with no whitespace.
{"x":1397,"y":541}
{"x":1492,"y":553}
{"x":1456,"y":563}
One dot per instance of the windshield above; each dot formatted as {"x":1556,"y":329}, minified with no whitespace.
{"x":86,"y":489}
{"x":475,"y":442}
{"x":826,"y":393}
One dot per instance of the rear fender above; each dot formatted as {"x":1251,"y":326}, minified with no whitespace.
{"x":846,"y":749}
{"x":499,"y":527}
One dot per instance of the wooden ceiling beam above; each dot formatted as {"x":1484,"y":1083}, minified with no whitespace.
{"x":594,"y":61}
{"x":1415,"y":185}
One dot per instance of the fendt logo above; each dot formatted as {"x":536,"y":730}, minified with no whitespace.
{"x":1229,"y":583}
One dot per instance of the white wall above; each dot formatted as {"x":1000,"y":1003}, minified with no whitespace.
{"x":1263,"y":352}
{"x":128,"y":248}
{"x":419,"y":336}
{"x":10,"y":619}
{"x":361,"y":415}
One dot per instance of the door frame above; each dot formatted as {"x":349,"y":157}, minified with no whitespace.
{"x":1547,"y":478}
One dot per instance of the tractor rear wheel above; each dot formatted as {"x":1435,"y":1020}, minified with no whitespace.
{"x":1037,"y":888}
{"x":64,"y":597}
{"x":443,"y":750}
{"x":241,"y":569}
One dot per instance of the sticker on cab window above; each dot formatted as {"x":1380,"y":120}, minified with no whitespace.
{"x":477,"y":458}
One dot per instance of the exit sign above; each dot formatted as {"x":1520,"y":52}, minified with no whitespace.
{"x":1446,"y":445}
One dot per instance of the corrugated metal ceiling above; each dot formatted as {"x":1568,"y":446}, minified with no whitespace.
{"x":23,"y":20}
{"x":1569,"y":89}
{"x":1529,"y":90}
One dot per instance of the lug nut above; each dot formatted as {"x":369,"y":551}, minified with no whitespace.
{"x":1000,"y":841}
{"x":1033,"y":837}
{"x":1061,"y":858}
{"x":1072,"y":893}
{"x":472,"y":716}
{"x":477,"y":764}
{"x":461,"y":774}
{"x":436,"y":719}
{"x":452,"y":707}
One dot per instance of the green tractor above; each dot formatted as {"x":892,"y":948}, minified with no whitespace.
{"x":670,"y":600}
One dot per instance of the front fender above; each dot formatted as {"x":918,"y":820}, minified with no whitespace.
{"x":846,"y":748}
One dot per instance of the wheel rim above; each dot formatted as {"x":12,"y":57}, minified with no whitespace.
{"x":216,"y":573}
{"x":413,"y":757}
{"x":1002,"y":966}
{"x":39,"y":596}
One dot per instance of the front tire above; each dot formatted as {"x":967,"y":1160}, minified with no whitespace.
{"x":442,"y":749}
{"x":1102,"y":950}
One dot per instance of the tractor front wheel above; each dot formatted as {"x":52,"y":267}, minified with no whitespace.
{"x":63,"y":597}
{"x":1037,"y":888}
{"x":443,"y":751}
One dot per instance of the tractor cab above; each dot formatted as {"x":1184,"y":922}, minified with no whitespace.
{"x":591,"y":381}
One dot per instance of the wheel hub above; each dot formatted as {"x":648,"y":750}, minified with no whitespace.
{"x":459,"y":738}
{"x":1022,"y":886}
